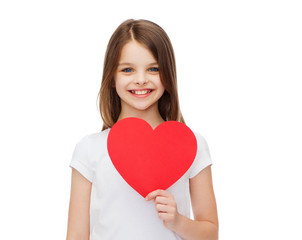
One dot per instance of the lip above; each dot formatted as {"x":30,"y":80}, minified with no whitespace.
{"x":142,"y":89}
{"x":141,"y":95}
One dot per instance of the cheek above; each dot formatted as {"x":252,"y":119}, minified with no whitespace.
{"x":162,"y":91}
{"x":157,"y":81}
{"x":120,"y":85}
{"x":160,"y":85}
{"x":118,"y":88}
{"x":118,"y":81}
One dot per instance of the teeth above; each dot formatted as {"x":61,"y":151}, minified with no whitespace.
{"x":141,"y":92}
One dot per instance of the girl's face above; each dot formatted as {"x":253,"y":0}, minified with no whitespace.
{"x":137,"y":78}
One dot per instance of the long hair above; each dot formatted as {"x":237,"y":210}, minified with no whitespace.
{"x":157,"y":41}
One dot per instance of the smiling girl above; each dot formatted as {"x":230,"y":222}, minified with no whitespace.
{"x":139,"y":80}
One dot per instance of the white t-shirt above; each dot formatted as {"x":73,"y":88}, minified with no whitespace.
{"x":117,"y":211}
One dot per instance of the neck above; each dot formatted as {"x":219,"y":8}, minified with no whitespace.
{"x":151,"y":116}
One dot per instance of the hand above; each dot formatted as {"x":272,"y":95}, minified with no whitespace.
{"x":166,"y":207}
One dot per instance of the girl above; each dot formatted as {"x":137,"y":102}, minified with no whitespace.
{"x":139,"y":80}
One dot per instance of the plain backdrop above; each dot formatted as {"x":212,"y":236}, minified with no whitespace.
{"x":239,"y":75}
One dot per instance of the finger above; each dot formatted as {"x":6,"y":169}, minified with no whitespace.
{"x":161,"y":200}
{"x":155,"y":193}
{"x":163,"y":208}
{"x":158,"y":192}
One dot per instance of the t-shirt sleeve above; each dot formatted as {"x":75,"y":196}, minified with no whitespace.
{"x":202,"y":158}
{"x":81,"y":160}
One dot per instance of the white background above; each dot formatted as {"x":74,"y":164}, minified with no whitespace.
{"x":239,"y":75}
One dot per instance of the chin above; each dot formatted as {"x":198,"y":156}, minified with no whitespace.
{"x":142,"y":108}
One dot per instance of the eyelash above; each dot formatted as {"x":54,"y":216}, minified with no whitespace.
{"x":155,"y":68}
{"x":124,"y":70}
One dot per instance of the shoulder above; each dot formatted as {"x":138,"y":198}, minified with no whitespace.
{"x":88,"y":150}
{"x":93,"y":141}
{"x":201,"y":141}
{"x":203,"y":157}
{"x":94,"y":137}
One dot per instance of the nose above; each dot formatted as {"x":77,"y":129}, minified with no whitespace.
{"x":140,"y":78}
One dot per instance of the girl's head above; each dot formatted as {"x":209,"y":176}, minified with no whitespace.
{"x":155,"y":39}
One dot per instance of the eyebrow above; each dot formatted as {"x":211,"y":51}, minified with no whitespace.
{"x":126,"y":63}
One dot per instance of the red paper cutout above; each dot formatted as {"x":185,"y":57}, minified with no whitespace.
{"x":150,"y":159}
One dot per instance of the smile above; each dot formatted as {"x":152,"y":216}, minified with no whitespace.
{"x":141,"y":92}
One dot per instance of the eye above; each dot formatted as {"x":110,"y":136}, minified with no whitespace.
{"x":127,"y":70}
{"x":154,"y":69}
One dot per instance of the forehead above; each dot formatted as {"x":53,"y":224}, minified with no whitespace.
{"x":135,"y":52}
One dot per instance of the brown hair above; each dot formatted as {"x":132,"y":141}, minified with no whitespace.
{"x":157,"y":41}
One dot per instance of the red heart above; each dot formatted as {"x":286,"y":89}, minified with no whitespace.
{"x":150,"y":159}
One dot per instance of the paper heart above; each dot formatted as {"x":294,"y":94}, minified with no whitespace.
{"x":150,"y":159}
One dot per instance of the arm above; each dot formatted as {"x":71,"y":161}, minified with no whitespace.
{"x":205,"y":225}
{"x":79,"y":207}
